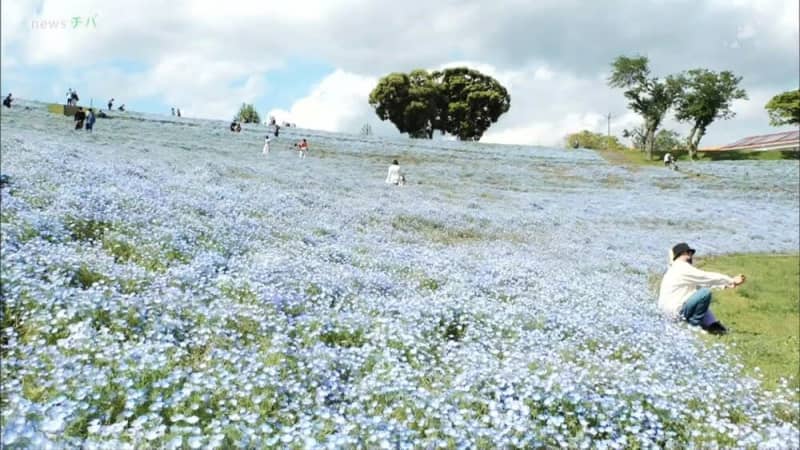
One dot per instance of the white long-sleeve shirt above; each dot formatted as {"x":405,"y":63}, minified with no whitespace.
{"x":681,"y":281}
{"x":393,"y":176}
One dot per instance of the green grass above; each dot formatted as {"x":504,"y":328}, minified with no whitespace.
{"x":744,"y":155}
{"x":763,"y":314}
{"x":636,"y":158}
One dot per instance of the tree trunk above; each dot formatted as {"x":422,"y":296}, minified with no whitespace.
{"x":690,"y":141}
{"x":701,"y":131}
{"x":650,"y":142}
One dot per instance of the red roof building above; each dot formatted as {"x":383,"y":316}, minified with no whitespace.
{"x":786,"y":141}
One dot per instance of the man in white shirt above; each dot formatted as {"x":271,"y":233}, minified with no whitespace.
{"x":393,"y":177}
{"x":685,"y":290}
{"x":265,"y":150}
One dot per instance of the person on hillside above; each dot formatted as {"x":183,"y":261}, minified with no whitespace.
{"x":7,"y":101}
{"x":394,"y":176}
{"x":75,"y":98}
{"x":685,"y":290}
{"x":79,"y":117}
{"x":172,"y":110}
{"x":110,"y":104}
{"x":90,"y":119}
{"x":669,"y":161}
{"x":302,"y":147}
{"x":265,"y":150}
{"x":179,"y":112}
{"x":122,"y":107}
{"x":70,"y":97}
{"x":233,"y":126}
{"x":238,"y":127}
{"x":277,"y":130}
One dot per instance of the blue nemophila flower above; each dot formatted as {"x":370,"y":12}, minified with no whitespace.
{"x":175,"y":297}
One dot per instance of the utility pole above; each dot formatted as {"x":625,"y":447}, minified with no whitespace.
{"x":608,"y":140}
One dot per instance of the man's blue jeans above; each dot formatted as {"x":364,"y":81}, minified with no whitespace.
{"x":696,"y":306}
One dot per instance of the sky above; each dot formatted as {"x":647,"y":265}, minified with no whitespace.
{"x":314,"y":62}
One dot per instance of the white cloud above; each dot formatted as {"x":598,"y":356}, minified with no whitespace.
{"x":207,"y":57}
{"x":337,"y":103}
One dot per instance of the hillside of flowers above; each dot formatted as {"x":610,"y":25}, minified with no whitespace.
{"x":165,"y":285}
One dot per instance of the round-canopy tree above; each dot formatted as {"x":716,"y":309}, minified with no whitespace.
{"x":459,"y":101}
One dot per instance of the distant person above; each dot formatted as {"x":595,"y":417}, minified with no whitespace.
{"x":69,"y":97}
{"x":179,"y":112}
{"x":7,"y":101}
{"x":272,"y":121}
{"x":685,"y":290}
{"x":238,"y":127}
{"x":90,"y":119}
{"x":265,"y":150}
{"x":79,"y":117}
{"x":110,"y":104}
{"x":122,"y":107}
{"x":394,"y":176}
{"x":277,"y":130}
{"x":173,"y":111}
{"x":302,"y":147}
{"x":669,"y":161}
{"x":75,"y":98}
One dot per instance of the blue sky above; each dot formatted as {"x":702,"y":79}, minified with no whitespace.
{"x":314,"y":62}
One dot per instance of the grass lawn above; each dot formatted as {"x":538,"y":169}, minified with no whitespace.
{"x":636,"y":158}
{"x":763,"y":314}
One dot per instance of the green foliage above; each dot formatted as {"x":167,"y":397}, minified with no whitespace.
{"x":703,"y":96}
{"x":763,"y":314}
{"x":648,"y":96}
{"x":343,"y":338}
{"x":459,"y":101}
{"x":453,"y":328}
{"x":784,"y":108}
{"x":247,"y":114}
{"x":595,"y":141}
{"x":87,"y":229}
{"x":474,"y":102}
{"x":85,"y":277}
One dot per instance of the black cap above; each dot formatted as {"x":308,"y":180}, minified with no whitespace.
{"x":680,"y":249}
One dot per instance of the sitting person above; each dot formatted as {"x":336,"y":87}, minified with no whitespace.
{"x":7,"y":101}
{"x":394,"y":176}
{"x":685,"y":294}
{"x":233,"y":126}
{"x":122,"y":107}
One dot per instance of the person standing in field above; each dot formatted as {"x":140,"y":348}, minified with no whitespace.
{"x":265,"y":150}
{"x":79,"y":117}
{"x":685,"y":290}
{"x":110,"y":104}
{"x":90,"y":119}
{"x":302,"y":146}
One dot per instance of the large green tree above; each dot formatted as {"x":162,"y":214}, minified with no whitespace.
{"x":784,"y":108}
{"x":247,"y":114}
{"x":474,"y":102}
{"x":409,"y":101}
{"x":648,"y":96}
{"x":459,"y":101}
{"x":701,"y":97}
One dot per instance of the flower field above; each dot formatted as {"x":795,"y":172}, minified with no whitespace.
{"x":165,"y":285}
